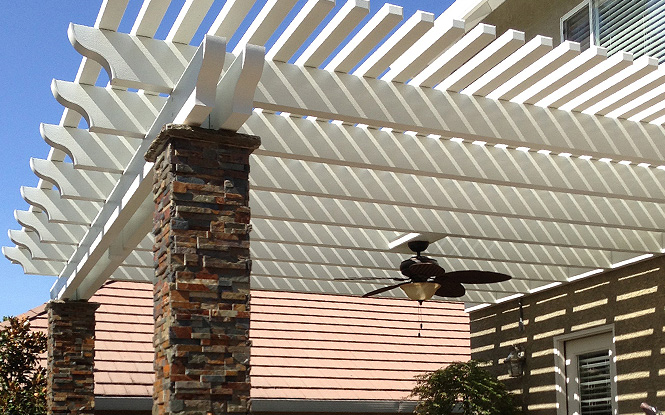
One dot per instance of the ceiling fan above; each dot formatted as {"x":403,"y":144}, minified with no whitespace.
{"x":424,"y":277}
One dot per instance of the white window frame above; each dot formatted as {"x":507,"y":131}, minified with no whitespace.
{"x":587,"y":4}
{"x":560,"y":364}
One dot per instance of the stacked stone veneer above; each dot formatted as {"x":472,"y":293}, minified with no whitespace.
{"x":201,"y":229}
{"x":71,"y":357}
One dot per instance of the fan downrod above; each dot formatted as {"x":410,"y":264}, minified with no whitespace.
{"x":418,"y":246}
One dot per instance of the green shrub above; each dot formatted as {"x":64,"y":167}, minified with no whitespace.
{"x":463,"y":385}
{"x":22,"y":380}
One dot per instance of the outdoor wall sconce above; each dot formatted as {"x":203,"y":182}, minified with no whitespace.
{"x":515,"y":362}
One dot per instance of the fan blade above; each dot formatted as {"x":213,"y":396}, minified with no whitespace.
{"x":370,"y":279}
{"x":450,"y":289}
{"x":426,"y":269}
{"x":476,"y":277}
{"x":384,"y":289}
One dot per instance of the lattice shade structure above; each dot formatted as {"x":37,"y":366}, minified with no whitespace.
{"x":508,"y":154}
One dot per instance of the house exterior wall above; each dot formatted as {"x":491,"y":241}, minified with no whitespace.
{"x":532,"y":17}
{"x":630,"y":301}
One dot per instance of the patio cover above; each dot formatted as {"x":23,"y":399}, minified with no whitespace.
{"x":508,"y":154}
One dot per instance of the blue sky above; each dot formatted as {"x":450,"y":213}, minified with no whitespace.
{"x":36,"y":50}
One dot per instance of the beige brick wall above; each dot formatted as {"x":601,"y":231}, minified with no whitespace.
{"x":631,"y":300}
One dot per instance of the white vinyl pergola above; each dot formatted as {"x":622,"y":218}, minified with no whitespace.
{"x":508,"y":154}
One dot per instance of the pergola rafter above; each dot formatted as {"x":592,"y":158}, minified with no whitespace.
{"x":496,"y":147}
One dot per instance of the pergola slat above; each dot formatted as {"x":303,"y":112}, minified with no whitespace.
{"x":508,"y":69}
{"x":416,"y":26}
{"x":265,"y":24}
{"x":440,"y":37}
{"x":342,"y":212}
{"x":386,"y":188}
{"x":330,"y":143}
{"x":302,"y":26}
{"x":450,"y":60}
{"x":325,"y":42}
{"x":362,"y":42}
{"x":298,"y":90}
{"x":478,"y":65}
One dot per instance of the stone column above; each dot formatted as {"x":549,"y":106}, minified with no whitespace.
{"x":202,"y":266}
{"x":71,"y":357}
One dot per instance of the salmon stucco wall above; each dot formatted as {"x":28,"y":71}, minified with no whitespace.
{"x":629,"y":301}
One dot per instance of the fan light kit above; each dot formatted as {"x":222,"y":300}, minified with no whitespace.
{"x":420,"y":291}
{"x":425,"y":278}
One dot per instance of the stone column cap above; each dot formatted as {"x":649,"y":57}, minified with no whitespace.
{"x":230,"y":138}
{"x":81,"y":303}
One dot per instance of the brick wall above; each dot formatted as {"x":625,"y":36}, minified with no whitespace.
{"x":630,"y":300}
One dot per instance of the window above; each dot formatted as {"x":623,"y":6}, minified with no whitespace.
{"x":595,"y":383}
{"x":636,"y":26}
{"x":576,"y":25}
{"x":586,"y":372}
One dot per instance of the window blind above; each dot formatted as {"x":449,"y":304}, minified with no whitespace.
{"x":636,"y":26}
{"x":595,"y":383}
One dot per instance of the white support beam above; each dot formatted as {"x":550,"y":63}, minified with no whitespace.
{"x":440,"y":37}
{"x":188,"y":21}
{"x":398,"y":43}
{"x":392,"y":189}
{"x":31,"y":266}
{"x":483,"y":61}
{"x":458,"y":54}
{"x":372,"y":261}
{"x":507,"y":69}
{"x":50,"y":232}
{"x":110,"y":111}
{"x":297,"y":138}
{"x":199,"y":104}
{"x":263,"y":281}
{"x":366,"y":39}
{"x":124,"y":273}
{"x":346,"y":19}
{"x":234,"y":94}
{"x":335,"y":96}
{"x":30,"y":241}
{"x":60,"y":210}
{"x":264,"y":25}
{"x":124,"y":220}
{"x":322,"y":272}
{"x":73,"y":183}
{"x":342,"y":212}
{"x":90,"y":151}
{"x":317,"y":235}
{"x":297,"y":32}
{"x":133,"y":61}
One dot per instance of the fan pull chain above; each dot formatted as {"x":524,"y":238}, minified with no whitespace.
{"x":420,"y":316}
